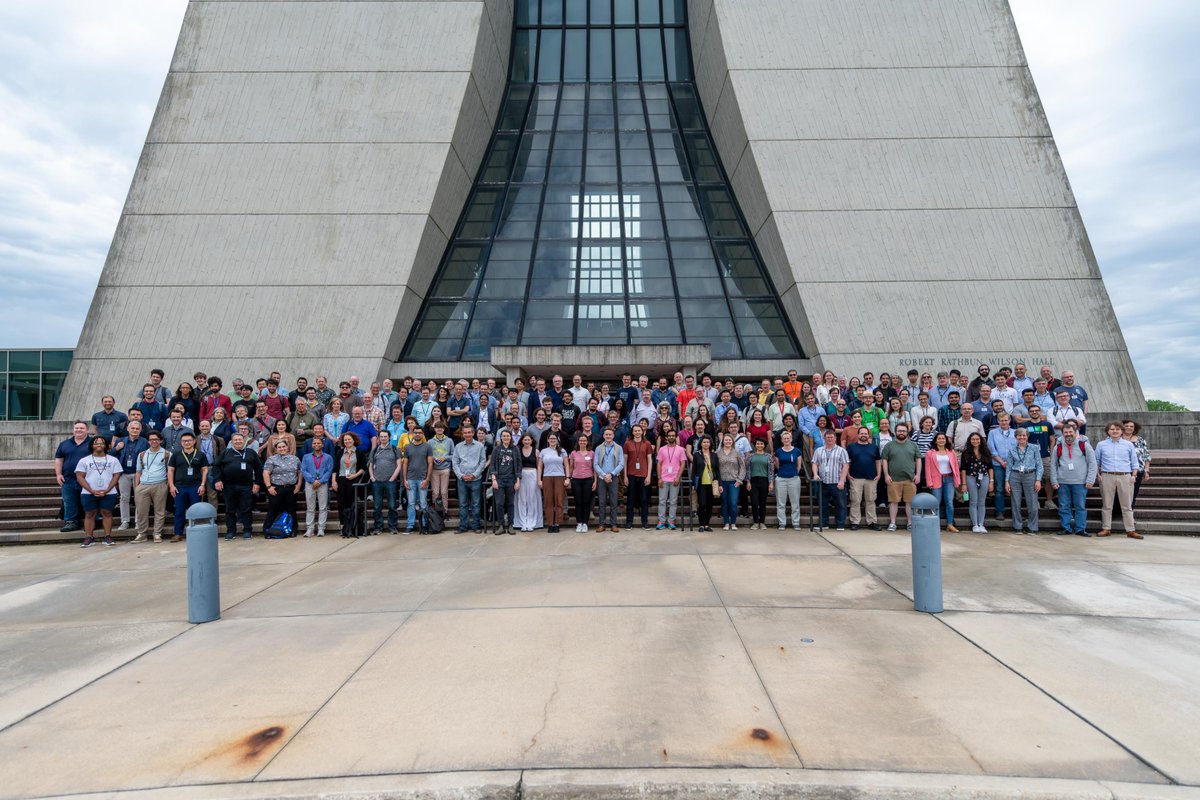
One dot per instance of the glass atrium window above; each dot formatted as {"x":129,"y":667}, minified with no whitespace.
{"x":601,"y":213}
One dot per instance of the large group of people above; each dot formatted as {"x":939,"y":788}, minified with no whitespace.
{"x":1010,"y":440}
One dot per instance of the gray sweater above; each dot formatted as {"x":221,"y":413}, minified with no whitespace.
{"x":1068,"y":465}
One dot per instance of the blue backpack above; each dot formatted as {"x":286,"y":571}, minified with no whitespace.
{"x":281,"y":528}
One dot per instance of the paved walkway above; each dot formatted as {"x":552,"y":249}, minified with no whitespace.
{"x":698,"y":665}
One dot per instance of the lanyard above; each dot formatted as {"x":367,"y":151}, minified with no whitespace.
{"x":317,"y":461}
{"x":183,"y":454}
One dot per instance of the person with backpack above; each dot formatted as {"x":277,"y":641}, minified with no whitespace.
{"x":1072,"y":474}
{"x":383,"y":468}
{"x":281,"y":476}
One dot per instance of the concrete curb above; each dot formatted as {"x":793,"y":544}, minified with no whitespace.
{"x":665,"y":784}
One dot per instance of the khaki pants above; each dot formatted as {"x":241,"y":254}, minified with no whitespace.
{"x":862,"y":491}
{"x":1121,"y":486}
{"x":126,"y":488}
{"x":145,"y":497}
{"x":439,"y":486}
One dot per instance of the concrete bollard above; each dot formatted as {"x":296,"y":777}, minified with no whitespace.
{"x":204,"y":578}
{"x":926,"y":554}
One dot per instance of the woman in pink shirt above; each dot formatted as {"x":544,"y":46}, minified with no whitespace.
{"x":942,"y":476}
{"x":582,"y":481}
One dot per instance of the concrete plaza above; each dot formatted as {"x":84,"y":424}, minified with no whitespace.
{"x":747,"y":664}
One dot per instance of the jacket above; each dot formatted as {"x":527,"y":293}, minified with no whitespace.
{"x":932,"y":473}
{"x":308,"y":468}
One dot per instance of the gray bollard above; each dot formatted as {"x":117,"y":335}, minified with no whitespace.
{"x":926,"y":554}
{"x":204,"y":578}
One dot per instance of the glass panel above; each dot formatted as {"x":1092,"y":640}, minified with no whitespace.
{"x":24,"y":360}
{"x":575,"y":56}
{"x":4,"y":390}
{"x":627,"y":54}
{"x":577,"y":12}
{"x":601,"y":55}
{"x":23,"y":394}
{"x":552,"y":12}
{"x":524,"y":55}
{"x":3,"y":361}
{"x":494,"y":323}
{"x":56,"y":360}
{"x":601,"y":12}
{"x":52,"y":384}
{"x":549,"y":56}
{"x":601,"y":203}
{"x":652,"y":54}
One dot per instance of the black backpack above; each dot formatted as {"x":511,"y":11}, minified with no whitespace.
{"x":433,"y":518}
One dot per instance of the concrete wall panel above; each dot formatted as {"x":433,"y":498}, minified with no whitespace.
{"x":290,"y":107}
{"x":328,"y":37}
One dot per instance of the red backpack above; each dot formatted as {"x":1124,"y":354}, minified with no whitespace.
{"x":1082,"y":451}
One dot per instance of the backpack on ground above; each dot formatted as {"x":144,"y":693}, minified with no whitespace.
{"x":281,"y":528}
{"x":433,"y":517}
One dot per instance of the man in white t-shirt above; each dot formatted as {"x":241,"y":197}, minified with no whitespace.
{"x":98,"y":475}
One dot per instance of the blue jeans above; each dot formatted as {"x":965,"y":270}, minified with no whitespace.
{"x":187,"y":497}
{"x":378,"y":490}
{"x":72,"y":513}
{"x":999,"y":474}
{"x":469,"y":495}
{"x":729,"y":502}
{"x":416,"y":497}
{"x":1072,"y":508}
{"x":831,"y":495}
{"x":944,"y":494}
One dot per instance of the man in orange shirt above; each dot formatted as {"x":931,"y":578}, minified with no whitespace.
{"x":793,"y":387}
{"x":687,"y":394}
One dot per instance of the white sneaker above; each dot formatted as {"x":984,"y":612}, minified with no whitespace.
{"x":307,"y":534}
{"x":891,"y":526}
{"x":124,"y":526}
{"x":733,"y":527}
{"x":583,"y":528}
{"x":974,"y":529}
{"x":982,"y":529}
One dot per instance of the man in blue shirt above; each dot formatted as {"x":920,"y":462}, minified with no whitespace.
{"x":66,"y":459}
{"x":865,"y":468}
{"x":108,"y":422}
{"x":154,"y":413}
{"x":1117,"y":461}
{"x":365,"y":431}
{"x":126,"y":450}
{"x":460,"y":407}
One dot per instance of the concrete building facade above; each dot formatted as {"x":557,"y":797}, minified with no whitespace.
{"x":310,"y":161}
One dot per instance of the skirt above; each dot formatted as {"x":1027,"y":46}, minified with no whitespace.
{"x":528,"y":513}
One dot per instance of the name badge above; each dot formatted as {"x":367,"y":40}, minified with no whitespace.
{"x":112,"y":426}
{"x":637,"y":465}
{"x":129,"y":461}
{"x":243,"y":466}
{"x":1070,"y":465}
{"x":190,"y":472}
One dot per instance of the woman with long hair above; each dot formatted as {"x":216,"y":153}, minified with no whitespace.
{"x":759,"y":428}
{"x":551,"y":478}
{"x":760,"y":468}
{"x":505,"y":468}
{"x":639,"y":458}
{"x":335,"y":420}
{"x":347,"y":474}
{"x":732,"y":469}
{"x":975,"y":465}
{"x":279,"y":433}
{"x":895,"y":412}
{"x":704,"y":480}
{"x":185,"y":396}
{"x":583,"y":481}
{"x":942,"y":476}
{"x":529,"y":498}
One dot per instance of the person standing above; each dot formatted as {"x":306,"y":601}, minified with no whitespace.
{"x":975,"y":468}
{"x":66,"y":459}
{"x":1024,"y":481}
{"x":442,"y":447}
{"x":671,"y":458}
{"x":552,"y":480}
{"x":639,"y":455}
{"x":237,"y":470}
{"x":1000,"y":441}
{"x":417,"y":464}
{"x":126,"y":450}
{"x":1072,"y":473}
{"x":505,"y":469}
{"x":187,"y":476}
{"x":150,"y":488}
{"x":943,"y":477}
{"x":731,"y":469}
{"x":528,"y":512}
{"x":469,"y":462}
{"x":866,"y":467}
{"x":98,"y":475}
{"x":705,"y":484}
{"x":383,"y":468}
{"x":610,"y":469}
{"x":349,"y":473}
{"x":1131,"y":432}
{"x":1041,"y":435}
{"x":316,"y":468}
{"x":788,"y":461}
{"x":108,"y":422}
{"x":1117,"y":461}
{"x":281,"y":476}
{"x":902,"y":459}
{"x":760,"y":467}
{"x":830,"y":467}
{"x":581,"y":466}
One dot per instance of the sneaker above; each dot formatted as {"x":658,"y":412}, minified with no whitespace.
{"x":68,"y":528}
{"x":108,"y":542}
{"x":1050,"y":506}
{"x":874,"y":526}
{"x":660,"y":526}
{"x":782,"y":527}
{"x":733,"y":527}
{"x":407,"y":531}
{"x":841,"y":528}
{"x":852,"y":527}
{"x":141,"y":537}
{"x":891,"y":526}
{"x":124,"y":526}
{"x":817,"y":528}
{"x":724,"y":527}
{"x":671,"y":526}
{"x":583,"y":528}
{"x":982,"y":529}
{"x":974,"y":529}
{"x":228,"y":537}
{"x":158,"y":538}
{"x":307,"y":534}
{"x":245,"y":536}
{"x":320,"y":533}
{"x":88,"y":542}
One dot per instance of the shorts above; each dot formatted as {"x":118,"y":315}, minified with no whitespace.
{"x":92,"y":503}
{"x":901,"y":490}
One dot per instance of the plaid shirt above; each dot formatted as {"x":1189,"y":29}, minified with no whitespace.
{"x":946,"y":415}
{"x":375,"y":416}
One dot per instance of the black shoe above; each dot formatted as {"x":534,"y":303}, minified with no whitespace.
{"x":1063,"y":533}
{"x":853,"y":527}
{"x":68,"y":528}
{"x":873,"y":527}
{"x":1083,"y":533}
{"x":460,"y":530}
{"x":511,"y":532}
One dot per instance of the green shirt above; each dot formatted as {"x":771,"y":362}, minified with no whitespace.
{"x":871,"y":417}
{"x":901,"y":459}
{"x":760,"y":465}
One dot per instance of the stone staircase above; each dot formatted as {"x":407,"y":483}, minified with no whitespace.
{"x":1169,"y":503}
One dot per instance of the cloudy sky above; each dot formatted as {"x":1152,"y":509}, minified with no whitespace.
{"x":79,"y":80}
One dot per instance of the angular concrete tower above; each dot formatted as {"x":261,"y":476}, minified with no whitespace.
{"x":377,"y":188}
